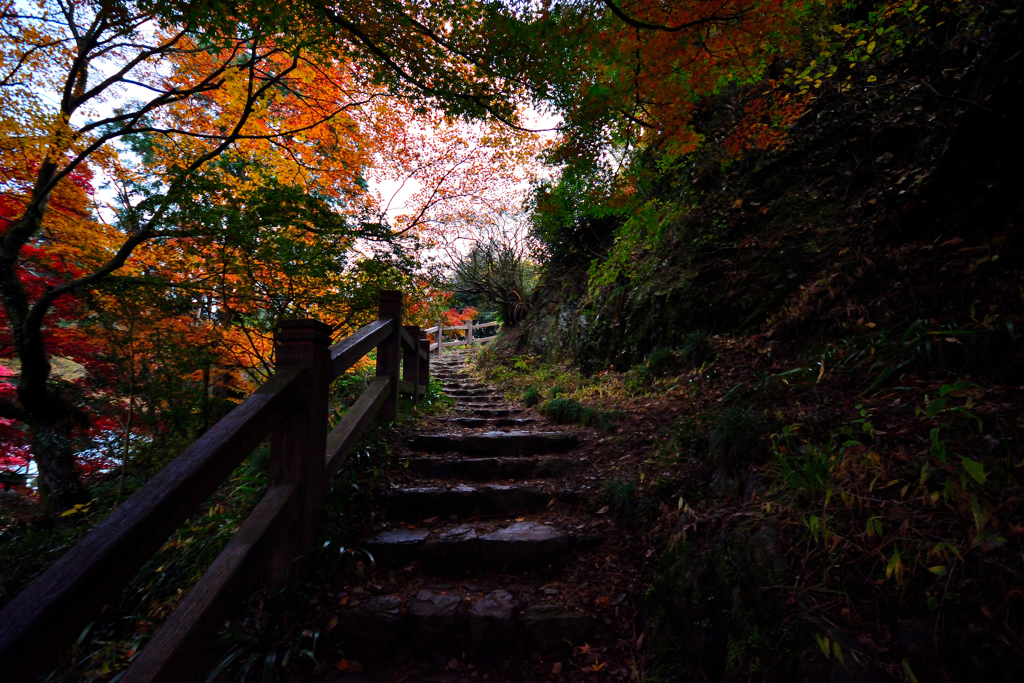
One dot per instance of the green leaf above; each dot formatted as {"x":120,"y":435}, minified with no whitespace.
{"x":974,"y":468}
{"x":895,"y":566}
{"x":823,"y":643}
{"x":935,"y":407}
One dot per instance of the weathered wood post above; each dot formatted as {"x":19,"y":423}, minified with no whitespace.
{"x":469,"y":333}
{"x":389,"y":351}
{"x":440,"y":336}
{"x":411,"y":361}
{"x":424,"y":373}
{"x":298,"y":445}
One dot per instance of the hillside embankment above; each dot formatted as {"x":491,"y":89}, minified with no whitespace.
{"x":809,"y":357}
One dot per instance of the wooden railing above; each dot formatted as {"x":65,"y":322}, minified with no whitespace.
{"x":467,"y":339}
{"x":292,"y":409}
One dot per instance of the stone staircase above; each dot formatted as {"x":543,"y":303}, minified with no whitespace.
{"x":469,"y":569}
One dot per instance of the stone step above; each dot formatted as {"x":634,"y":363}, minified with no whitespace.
{"x":483,"y":394}
{"x":470,"y":392}
{"x":473,"y":402}
{"x":496,"y":412}
{"x":488,"y":422}
{"x":489,"y":469}
{"x":458,"y":550}
{"x":436,"y":620}
{"x":420,"y":502}
{"x":495,"y":444}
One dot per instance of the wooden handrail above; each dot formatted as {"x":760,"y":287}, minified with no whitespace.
{"x":52,"y":610}
{"x":291,"y":407}
{"x":349,"y":350}
{"x":346,"y":433}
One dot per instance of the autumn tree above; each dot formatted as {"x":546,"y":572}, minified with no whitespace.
{"x":195,"y":116}
{"x":81,"y":84}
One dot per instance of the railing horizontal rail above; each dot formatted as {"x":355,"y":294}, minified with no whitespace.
{"x":345,"y":353}
{"x":54,"y":608}
{"x":350,"y":428}
{"x":170,"y":655}
{"x":463,"y":342}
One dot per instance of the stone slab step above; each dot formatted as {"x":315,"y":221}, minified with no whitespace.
{"x":456,"y":550}
{"x":436,"y":620}
{"x":496,"y":412}
{"x":470,"y":392}
{"x":488,"y":422}
{"x":496,"y":499}
{"x":490,"y":469}
{"x":486,"y":400}
{"x":496,"y":444}
{"x":476,"y":403}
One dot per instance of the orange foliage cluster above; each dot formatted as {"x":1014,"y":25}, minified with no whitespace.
{"x":765,"y":121}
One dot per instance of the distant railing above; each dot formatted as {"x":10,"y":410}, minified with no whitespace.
{"x":291,"y":408}
{"x":467,"y":339}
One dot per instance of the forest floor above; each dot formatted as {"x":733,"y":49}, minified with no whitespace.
{"x":895,"y":508}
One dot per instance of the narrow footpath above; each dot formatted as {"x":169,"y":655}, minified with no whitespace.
{"x":495,"y":558}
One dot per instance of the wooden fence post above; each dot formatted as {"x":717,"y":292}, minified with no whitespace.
{"x":424,"y":363}
{"x":469,"y":333}
{"x":440,"y":336}
{"x":389,"y":351}
{"x":298,"y":445}
{"x":411,"y":361}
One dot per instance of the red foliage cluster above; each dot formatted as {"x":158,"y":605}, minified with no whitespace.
{"x":64,"y":336}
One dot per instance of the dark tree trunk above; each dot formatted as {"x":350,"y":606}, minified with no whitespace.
{"x":53,"y":446}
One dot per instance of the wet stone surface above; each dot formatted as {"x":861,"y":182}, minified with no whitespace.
{"x":436,"y":620}
{"x":492,"y":622}
{"x":523,"y":546}
{"x":396,"y":548}
{"x":373,"y":627}
{"x":454,"y":551}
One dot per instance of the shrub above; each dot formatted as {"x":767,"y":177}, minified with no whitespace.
{"x":735,"y":438}
{"x":696,"y":349}
{"x":660,"y":362}
{"x":686,"y":438}
{"x":624,"y":498}
{"x":532,"y":397}
{"x":807,"y":471}
{"x":566,"y":411}
{"x":693,"y":351}
{"x":570,"y":411}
